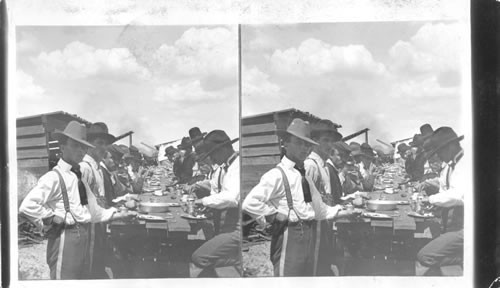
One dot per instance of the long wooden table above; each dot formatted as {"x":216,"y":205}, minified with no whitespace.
{"x":157,"y":249}
{"x":379,"y":241}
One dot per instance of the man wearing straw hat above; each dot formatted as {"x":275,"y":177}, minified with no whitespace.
{"x":64,"y":206}
{"x":447,"y":249}
{"x":223,"y":249}
{"x":288,"y":200}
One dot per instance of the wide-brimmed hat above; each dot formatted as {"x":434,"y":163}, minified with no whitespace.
{"x":214,"y":141}
{"x":185,"y":143}
{"x":418,"y":140}
{"x":426,"y":129}
{"x":367,"y":150}
{"x":300,"y":129}
{"x":116,"y":151}
{"x":170,"y":150}
{"x":342,"y":147}
{"x":440,"y":138}
{"x":402,"y":148}
{"x":196,"y":135}
{"x":325,"y":126}
{"x":100,"y":130}
{"x":131,"y":156}
{"x":75,"y":131}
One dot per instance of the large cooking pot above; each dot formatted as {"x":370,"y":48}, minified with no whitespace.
{"x":381,"y":205}
{"x":153,"y":207}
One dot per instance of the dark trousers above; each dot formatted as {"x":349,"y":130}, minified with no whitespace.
{"x":293,"y":248}
{"x":68,"y":254}
{"x":324,"y":248}
{"x":98,"y":251}
{"x":447,"y":249}
{"x":222,"y":250}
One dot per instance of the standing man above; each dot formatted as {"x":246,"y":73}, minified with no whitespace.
{"x":447,"y":249}
{"x":288,"y":200}
{"x":325,"y":178}
{"x":92,"y":174}
{"x":223,"y":249}
{"x":64,"y":205}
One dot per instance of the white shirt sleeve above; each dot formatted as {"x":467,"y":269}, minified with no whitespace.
{"x":321,"y":210}
{"x":454,"y":196}
{"x":97,"y":213}
{"x":256,"y":202}
{"x":34,"y":204}
{"x":229,"y":196}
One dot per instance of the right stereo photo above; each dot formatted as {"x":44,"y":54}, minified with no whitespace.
{"x":353,"y":153}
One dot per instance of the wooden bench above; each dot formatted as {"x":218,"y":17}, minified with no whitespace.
{"x":227,"y":272}
{"x":452,"y":270}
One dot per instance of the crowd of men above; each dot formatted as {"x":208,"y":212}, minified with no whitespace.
{"x":73,"y":202}
{"x":299,"y":200}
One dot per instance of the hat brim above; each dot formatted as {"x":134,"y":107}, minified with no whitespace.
{"x":110,"y":139}
{"x":204,"y":155}
{"x":281,"y":133}
{"x":58,"y":134}
{"x":433,"y":151}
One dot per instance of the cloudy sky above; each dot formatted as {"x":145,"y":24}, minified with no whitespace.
{"x":390,"y":77}
{"x":158,"y":81}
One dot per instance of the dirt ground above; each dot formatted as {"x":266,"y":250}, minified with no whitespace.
{"x":32,"y":262}
{"x":256,"y":261}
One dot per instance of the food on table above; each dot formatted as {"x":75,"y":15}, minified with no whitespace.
{"x":358,"y":202}
{"x":130,"y":204}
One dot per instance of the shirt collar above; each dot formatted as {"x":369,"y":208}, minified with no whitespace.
{"x":87,"y":158}
{"x":63,"y":165}
{"x":315,"y":156}
{"x":287,"y":162}
{"x":103,"y":166}
{"x":230,"y":161}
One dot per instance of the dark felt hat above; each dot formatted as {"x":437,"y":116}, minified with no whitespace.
{"x":100,"y":130}
{"x":342,"y":147}
{"x":75,"y":131}
{"x":402,"y":148}
{"x":185,"y":143}
{"x":325,"y":126}
{"x":170,"y":150}
{"x":196,"y":135}
{"x":440,"y":138}
{"x":426,"y":129}
{"x":214,"y":141}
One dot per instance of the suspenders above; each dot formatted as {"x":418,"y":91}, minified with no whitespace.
{"x":64,"y":192}
{"x":288,"y":193}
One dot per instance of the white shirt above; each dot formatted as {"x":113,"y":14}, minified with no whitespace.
{"x":229,"y":194}
{"x":269,"y":197}
{"x":317,"y":170}
{"x":45,"y":199}
{"x":365,"y":172}
{"x":454,"y":194}
{"x":92,"y":174}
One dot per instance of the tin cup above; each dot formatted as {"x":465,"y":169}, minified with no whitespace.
{"x":190,"y":206}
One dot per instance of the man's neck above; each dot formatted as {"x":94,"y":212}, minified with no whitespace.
{"x":322,"y":155}
{"x":294,"y":160}
{"x":67,"y":160}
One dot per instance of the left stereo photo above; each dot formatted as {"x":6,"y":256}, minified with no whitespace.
{"x":127,"y":152}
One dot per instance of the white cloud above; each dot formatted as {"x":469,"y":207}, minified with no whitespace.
{"x":428,"y":87}
{"x":315,"y":57}
{"x":79,"y":60}
{"x":27,"y":42}
{"x":191,"y":91}
{"x":256,"y":84}
{"x":26,"y":87}
{"x":202,"y":52}
{"x":434,"y":48}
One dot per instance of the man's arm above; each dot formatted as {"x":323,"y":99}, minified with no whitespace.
{"x":229,"y":196}
{"x":33,"y":205}
{"x":256,"y":202}
{"x":321,"y":210}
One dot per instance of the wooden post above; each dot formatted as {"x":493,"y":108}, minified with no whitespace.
{"x":130,"y":140}
{"x":366,"y":137}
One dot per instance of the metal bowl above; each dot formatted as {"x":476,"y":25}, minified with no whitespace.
{"x":153,"y":207}
{"x":381,"y":205}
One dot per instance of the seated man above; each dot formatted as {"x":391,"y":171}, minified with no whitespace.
{"x":223,"y":249}
{"x":447,"y":249}
{"x":183,"y":165}
{"x":347,"y":171}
